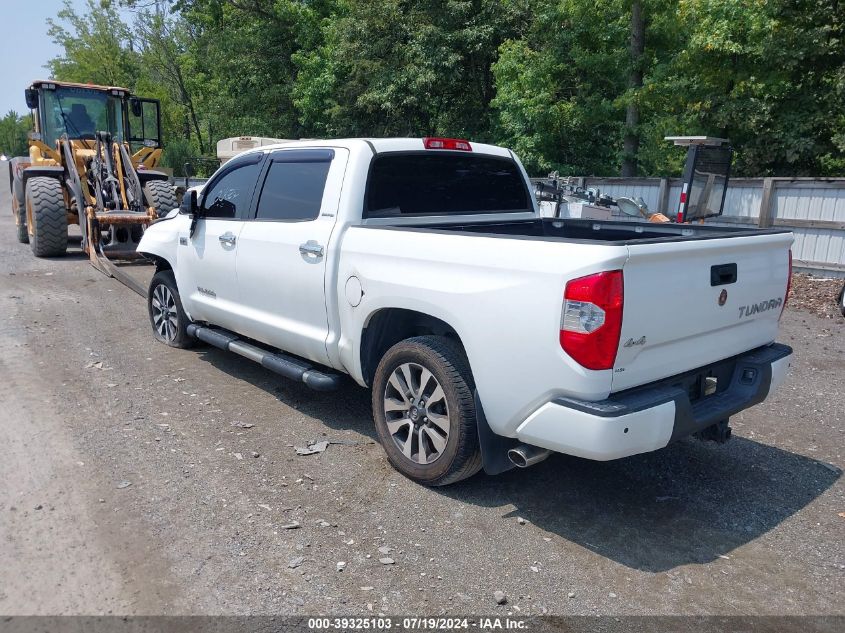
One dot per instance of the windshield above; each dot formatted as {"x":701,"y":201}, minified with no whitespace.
{"x":80,"y":113}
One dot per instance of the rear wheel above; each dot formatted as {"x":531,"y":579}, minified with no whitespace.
{"x":167,"y":316}
{"x":842,"y":300}
{"x":19,"y":211}
{"x":161,"y":196}
{"x":46,"y":216}
{"x":424,"y":411}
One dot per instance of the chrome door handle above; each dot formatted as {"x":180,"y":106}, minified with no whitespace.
{"x":227,"y":238}
{"x":311,"y":248}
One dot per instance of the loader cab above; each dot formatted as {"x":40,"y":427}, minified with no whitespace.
{"x":77,"y":111}
{"x":81,"y":110}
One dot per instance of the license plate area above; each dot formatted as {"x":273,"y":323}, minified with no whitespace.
{"x":706,"y":381}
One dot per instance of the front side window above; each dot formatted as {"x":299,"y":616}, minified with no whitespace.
{"x":230,"y":195}
{"x":293,"y":191}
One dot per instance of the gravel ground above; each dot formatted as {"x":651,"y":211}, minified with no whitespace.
{"x":139,"y":479}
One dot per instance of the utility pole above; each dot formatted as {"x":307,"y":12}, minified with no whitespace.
{"x":636,"y":49}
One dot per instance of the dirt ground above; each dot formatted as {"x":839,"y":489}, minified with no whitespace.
{"x":139,"y":479}
{"x":816,"y":295}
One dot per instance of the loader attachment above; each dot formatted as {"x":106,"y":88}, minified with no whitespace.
{"x":119,"y":214}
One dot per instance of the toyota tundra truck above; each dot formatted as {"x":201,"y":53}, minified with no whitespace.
{"x":489,"y":336}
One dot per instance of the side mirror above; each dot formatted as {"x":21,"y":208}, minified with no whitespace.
{"x":31,"y":97}
{"x":135,"y":107}
{"x":189,"y":204}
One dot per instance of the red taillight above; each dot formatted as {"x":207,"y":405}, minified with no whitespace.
{"x":432,"y":142}
{"x":788,"y":284}
{"x":591,"y":321}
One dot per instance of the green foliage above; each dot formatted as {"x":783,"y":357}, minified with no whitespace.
{"x":559,"y":86}
{"x":550,"y":78}
{"x":97,"y":47}
{"x":767,"y":75}
{"x":406,"y":68}
{"x":13,"y":131}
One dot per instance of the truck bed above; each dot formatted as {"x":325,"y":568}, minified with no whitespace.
{"x":609,"y":232}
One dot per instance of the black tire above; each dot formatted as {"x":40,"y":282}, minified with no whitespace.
{"x":19,"y":211}
{"x":45,"y":205}
{"x":842,"y":300}
{"x":161,"y":196}
{"x":162,"y":288}
{"x":460,"y":457}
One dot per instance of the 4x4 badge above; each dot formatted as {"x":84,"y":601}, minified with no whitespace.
{"x":723,"y":297}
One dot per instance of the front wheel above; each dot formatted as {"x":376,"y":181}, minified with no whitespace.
{"x":424,"y":411}
{"x":167,"y":317}
{"x":46,"y":216}
{"x":842,"y":300}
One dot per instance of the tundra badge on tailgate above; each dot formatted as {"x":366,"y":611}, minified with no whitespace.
{"x":763,"y":306}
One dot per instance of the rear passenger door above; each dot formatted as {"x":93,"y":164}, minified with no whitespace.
{"x":283,"y":250}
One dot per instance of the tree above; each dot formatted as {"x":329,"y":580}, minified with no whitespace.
{"x":587,"y":87}
{"x":558,"y":88}
{"x":765,"y":74}
{"x":96,"y":46}
{"x":398,"y":68}
{"x":13,"y":134}
{"x":165,"y":59}
{"x":636,"y":53}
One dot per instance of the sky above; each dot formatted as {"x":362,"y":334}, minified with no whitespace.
{"x":25,"y":47}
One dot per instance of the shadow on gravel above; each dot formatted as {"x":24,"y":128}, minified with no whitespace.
{"x":686,"y":504}
{"x":348,"y":408}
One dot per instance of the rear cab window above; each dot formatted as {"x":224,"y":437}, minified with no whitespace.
{"x":444,"y":183}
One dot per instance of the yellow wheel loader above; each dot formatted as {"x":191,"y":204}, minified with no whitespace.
{"x":92,"y":161}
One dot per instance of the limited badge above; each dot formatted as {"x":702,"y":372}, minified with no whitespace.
{"x":723,"y":297}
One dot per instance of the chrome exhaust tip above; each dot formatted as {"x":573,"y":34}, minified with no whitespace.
{"x":525,"y":455}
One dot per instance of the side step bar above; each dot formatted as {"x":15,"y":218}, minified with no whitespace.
{"x":287,"y":366}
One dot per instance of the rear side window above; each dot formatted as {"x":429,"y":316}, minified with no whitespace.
{"x":293,"y":191}
{"x":440,"y":183}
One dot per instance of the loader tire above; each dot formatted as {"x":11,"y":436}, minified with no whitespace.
{"x":19,"y":211}
{"x":161,"y":196}
{"x":45,"y":206}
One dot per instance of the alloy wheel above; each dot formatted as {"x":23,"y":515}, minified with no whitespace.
{"x":416,"y":413}
{"x":165,"y":316}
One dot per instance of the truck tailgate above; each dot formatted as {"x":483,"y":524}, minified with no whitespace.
{"x":688,"y":304}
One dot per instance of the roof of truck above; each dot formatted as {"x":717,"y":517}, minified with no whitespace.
{"x":379,"y":145}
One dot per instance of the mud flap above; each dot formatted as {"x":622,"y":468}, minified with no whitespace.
{"x":494,"y":448}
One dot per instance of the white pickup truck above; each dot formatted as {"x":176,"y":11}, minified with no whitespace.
{"x":488,"y":335}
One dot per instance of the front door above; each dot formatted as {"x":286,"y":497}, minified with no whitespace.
{"x":206,"y":273}
{"x":284,"y":251}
